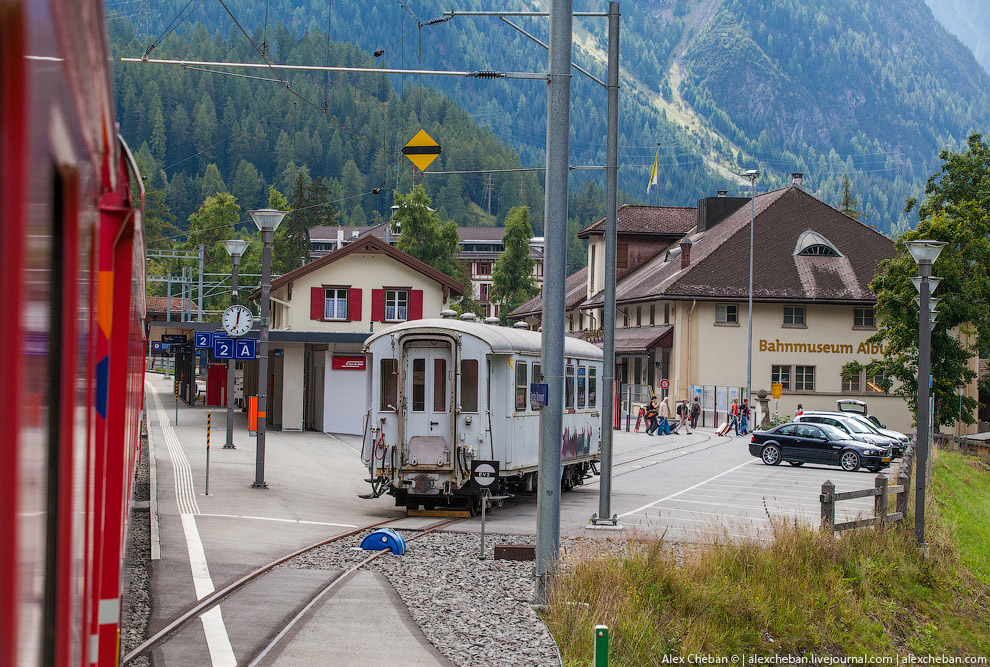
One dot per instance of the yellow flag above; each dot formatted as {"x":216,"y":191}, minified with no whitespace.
{"x":653,"y":172}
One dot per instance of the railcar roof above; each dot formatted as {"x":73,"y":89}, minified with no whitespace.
{"x":502,"y":340}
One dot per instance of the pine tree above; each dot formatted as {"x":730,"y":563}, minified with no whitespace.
{"x":425,"y":236}
{"x":848,"y":204}
{"x":512,"y":279}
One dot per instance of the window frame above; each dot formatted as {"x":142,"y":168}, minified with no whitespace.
{"x":781,"y":375}
{"x":476,"y":389}
{"x":860,"y":313}
{"x":794,"y":312}
{"x":592,"y":387}
{"x":396,"y":291}
{"x":569,"y":387}
{"x":851,"y":387}
{"x":582,"y":387}
{"x":523,"y":366}
{"x":389,"y":388}
{"x":326,"y":301}
{"x":726,"y":322}
{"x":801,"y":378}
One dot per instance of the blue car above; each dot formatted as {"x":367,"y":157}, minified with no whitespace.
{"x":799,"y":443}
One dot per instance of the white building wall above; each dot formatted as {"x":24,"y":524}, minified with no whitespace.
{"x":346,"y":397}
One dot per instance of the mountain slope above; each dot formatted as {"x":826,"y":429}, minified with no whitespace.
{"x":967,"y":20}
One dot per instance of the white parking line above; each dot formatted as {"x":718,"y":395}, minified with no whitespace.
{"x":690,"y":488}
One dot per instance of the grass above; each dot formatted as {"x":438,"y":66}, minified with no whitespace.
{"x":866,"y":593}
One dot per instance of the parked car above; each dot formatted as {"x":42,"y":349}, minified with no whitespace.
{"x":857,"y":407}
{"x":799,"y":443}
{"x":854,"y":428}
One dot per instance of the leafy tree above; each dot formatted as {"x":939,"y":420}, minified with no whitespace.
{"x":211,"y":225}
{"x":956,"y":212}
{"x":512,"y":279}
{"x":424,"y":235}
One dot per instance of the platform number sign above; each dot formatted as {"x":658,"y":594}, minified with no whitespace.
{"x":483,"y":474}
{"x":245,"y":348}
{"x":223,"y":348}
{"x":204,"y":339}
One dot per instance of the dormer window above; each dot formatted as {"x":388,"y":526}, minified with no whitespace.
{"x":813,"y":244}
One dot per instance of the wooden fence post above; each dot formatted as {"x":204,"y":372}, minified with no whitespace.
{"x":904,"y":480}
{"x":828,"y":506}
{"x":880,"y":500}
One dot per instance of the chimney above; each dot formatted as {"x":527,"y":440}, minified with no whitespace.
{"x":796,"y":178}
{"x":723,"y":193}
{"x":340,"y":237}
{"x":686,"y":244}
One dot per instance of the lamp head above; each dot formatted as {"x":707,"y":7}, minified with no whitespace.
{"x":235,"y":247}
{"x":933,"y":282}
{"x":752,"y":174}
{"x":267,"y":219}
{"x":925,"y":251}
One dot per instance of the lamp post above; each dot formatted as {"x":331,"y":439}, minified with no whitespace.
{"x":235,"y":248}
{"x":960,"y":388}
{"x":752,"y":175}
{"x":267,"y":221}
{"x":925,"y":253}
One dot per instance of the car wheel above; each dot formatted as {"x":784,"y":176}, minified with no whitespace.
{"x":849,"y":460}
{"x":771,"y":455}
{"x":796,"y":463}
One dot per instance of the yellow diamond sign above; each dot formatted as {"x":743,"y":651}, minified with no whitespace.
{"x":422,"y":150}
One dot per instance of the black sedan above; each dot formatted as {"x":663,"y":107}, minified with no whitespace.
{"x":799,"y":443}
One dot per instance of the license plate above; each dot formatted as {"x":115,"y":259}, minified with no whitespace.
{"x":886,"y":459}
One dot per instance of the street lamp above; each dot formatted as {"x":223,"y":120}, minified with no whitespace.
{"x":235,"y":248}
{"x":752,"y":175}
{"x":924,"y":252}
{"x":960,"y":388}
{"x":267,"y":221}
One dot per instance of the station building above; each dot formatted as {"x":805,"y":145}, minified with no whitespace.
{"x":682,"y":302}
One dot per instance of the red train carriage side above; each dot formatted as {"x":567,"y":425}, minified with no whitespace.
{"x":71,"y":337}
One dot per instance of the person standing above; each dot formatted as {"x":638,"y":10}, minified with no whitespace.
{"x":664,"y":427}
{"x":695,"y":412}
{"x":800,"y":411}
{"x":682,"y":417}
{"x":652,"y":413}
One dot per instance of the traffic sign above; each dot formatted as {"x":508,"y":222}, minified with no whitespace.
{"x":203,"y":339}
{"x":776,"y":389}
{"x":223,"y":348}
{"x":421,"y":150}
{"x":483,"y":473}
{"x":245,"y":348}
{"x":665,"y":383}
{"x":539,"y":394}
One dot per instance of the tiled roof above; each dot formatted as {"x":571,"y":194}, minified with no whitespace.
{"x":719,"y":265}
{"x":481,"y":234}
{"x":665,"y":220}
{"x":159,"y":304}
{"x":329,"y":233}
{"x":575,"y":291}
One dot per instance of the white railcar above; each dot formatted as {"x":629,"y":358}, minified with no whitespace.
{"x":446,"y":392}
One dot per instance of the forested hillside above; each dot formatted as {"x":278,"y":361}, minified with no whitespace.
{"x":969,"y":21}
{"x":848,"y":88}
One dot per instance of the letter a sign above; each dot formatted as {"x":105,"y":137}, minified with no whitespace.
{"x":422,"y":150}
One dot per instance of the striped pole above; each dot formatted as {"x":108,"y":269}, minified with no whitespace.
{"x":601,"y":646}
{"x":176,"y":400}
{"x":207,"y":452}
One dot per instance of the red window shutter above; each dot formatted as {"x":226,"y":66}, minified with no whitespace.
{"x":377,"y":305}
{"x":416,"y":304}
{"x":354,"y":304}
{"x":317,"y":298}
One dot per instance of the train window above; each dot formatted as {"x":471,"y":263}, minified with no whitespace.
{"x":390,"y":384}
{"x":581,"y":388}
{"x":419,"y":385}
{"x":569,"y":389}
{"x":439,"y":385}
{"x":469,"y":385}
{"x":522,"y":390}
{"x":592,"y":387}
{"x":537,"y":373}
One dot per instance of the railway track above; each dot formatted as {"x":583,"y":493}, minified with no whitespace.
{"x":210,"y":601}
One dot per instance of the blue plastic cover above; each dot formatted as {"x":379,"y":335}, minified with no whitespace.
{"x":384,"y":538}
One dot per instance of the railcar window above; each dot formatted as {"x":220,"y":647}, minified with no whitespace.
{"x":419,"y":385}
{"x":469,"y":385}
{"x":537,"y":373}
{"x":569,"y":389}
{"x":439,"y":385}
{"x":522,"y":390}
{"x":581,"y":388}
{"x":390,"y":384}
{"x":592,"y":387}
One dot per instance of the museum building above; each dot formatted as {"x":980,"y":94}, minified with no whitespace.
{"x":682,"y":290}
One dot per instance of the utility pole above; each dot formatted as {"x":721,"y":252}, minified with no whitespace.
{"x":555,"y":264}
{"x":199,"y":302}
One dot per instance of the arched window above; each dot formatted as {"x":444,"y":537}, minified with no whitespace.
{"x":813,"y":244}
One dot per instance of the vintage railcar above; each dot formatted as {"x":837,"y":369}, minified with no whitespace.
{"x":71,"y":335}
{"x":445,"y":392}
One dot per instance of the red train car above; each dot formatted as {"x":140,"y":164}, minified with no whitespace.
{"x":71,"y":336}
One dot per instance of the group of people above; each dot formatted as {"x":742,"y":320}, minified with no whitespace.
{"x":658,"y":416}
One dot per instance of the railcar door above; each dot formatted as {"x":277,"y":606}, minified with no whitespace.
{"x":428,"y":375}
